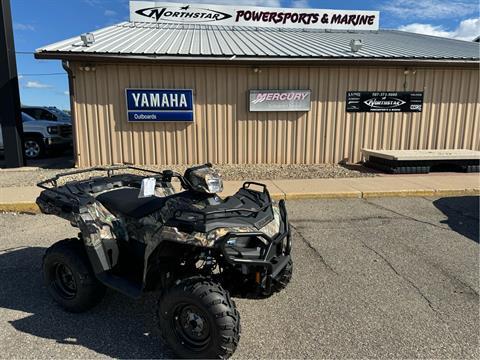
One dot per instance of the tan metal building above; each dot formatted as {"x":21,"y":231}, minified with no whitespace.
{"x":222,"y":65}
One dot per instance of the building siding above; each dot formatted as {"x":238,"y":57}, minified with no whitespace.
{"x":225,"y":132}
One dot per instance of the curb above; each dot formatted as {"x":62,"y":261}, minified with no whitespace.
{"x":330,"y":195}
{"x":278,"y":196}
{"x":21,"y":207}
{"x":31,"y":207}
{"x":458,"y":192}
{"x":380,"y":194}
{"x":400,"y":193}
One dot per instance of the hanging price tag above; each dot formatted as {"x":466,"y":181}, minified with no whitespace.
{"x":148,"y":188}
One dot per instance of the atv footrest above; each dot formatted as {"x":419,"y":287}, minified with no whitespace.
{"x":122,"y":285}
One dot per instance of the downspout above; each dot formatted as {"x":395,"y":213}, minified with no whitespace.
{"x":71,"y":77}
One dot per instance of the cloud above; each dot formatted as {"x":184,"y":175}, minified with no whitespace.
{"x":110,"y":13}
{"x":467,"y":30}
{"x":302,"y":4}
{"x":23,"y":27}
{"x":66,"y":92}
{"x":430,"y":9}
{"x":36,"y":85}
{"x":92,"y":3}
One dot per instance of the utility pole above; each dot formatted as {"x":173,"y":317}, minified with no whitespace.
{"x":10,"y":113}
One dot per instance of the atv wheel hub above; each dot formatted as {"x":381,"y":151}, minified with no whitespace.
{"x":195,"y":323}
{"x":64,"y":281}
{"x":191,"y":326}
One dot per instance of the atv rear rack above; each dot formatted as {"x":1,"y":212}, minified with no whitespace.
{"x":73,"y":195}
{"x":108,"y":169}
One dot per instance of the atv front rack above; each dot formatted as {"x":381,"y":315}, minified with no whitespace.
{"x":205,"y":216}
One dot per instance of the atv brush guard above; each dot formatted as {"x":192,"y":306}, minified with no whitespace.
{"x":274,"y":255}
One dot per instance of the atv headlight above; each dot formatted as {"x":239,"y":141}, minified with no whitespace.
{"x":241,"y":242}
{"x":214,"y":184}
{"x":204,"y":179}
{"x":250,"y":247}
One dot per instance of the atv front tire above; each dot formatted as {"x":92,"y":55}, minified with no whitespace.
{"x":69,"y":277}
{"x":198,"y":319}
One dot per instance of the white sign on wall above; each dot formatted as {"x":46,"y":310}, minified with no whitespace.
{"x":187,"y":13}
{"x":279,"y":100}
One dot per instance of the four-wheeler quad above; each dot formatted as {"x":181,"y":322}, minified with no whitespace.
{"x":138,"y":234}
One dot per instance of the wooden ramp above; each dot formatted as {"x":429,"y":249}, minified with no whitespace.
{"x":421,"y":161}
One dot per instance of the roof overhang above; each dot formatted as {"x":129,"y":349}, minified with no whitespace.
{"x":236,"y":60}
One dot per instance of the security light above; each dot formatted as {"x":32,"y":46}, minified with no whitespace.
{"x":356,"y":45}
{"x":87,"y":68}
{"x":87,"y":39}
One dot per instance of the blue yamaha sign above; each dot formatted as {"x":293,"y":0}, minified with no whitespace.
{"x":160,"y":105}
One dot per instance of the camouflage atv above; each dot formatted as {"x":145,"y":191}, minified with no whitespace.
{"x":191,"y":246}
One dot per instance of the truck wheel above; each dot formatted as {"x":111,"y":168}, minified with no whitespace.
{"x":283,"y":278}
{"x":198,"y":319}
{"x":34,"y":147}
{"x":69,"y":277}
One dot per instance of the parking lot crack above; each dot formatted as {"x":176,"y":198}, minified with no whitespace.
{"x":410,"y":282}
{"x":378,"y":206}
{"x":448,"y":274}
{"x":314,"y":249}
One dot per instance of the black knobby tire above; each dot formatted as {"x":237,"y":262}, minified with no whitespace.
{"x":69,"y":277}
{"x":198,"y":319}
{"x":283,"y":278}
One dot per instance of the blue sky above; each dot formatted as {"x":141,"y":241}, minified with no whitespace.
{"x":38,"y":23}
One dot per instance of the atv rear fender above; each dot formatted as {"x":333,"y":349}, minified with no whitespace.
{"x":100,"y":243}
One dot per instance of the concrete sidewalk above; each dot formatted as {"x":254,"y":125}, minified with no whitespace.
{"x":20,"y":199}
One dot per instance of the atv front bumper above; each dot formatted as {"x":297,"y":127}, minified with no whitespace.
{"x":268,"y":259}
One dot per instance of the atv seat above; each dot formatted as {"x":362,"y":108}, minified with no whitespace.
{"x":126,"y":202}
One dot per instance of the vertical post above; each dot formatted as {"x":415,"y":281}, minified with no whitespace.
{"x":71,"y":91}
{"x":10,"y":113}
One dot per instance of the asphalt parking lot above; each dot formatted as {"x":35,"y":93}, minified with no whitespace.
{"x":378,"y":278}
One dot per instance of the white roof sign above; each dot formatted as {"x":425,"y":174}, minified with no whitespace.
{"x":185,"y":13}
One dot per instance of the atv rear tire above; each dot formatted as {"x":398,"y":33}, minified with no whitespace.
{"x":69,"y":277}
{"x":283,"y":278}
{"x":198,"y":319}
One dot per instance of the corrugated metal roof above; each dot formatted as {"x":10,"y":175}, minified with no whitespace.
{"x":223,"y":42}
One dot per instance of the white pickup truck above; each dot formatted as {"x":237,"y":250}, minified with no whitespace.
{"x":41,"y":136}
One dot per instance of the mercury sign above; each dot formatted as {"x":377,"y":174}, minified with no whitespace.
{"x":279,"y":100}
{"x":185,"y":13}
{"x":162,"y":105}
